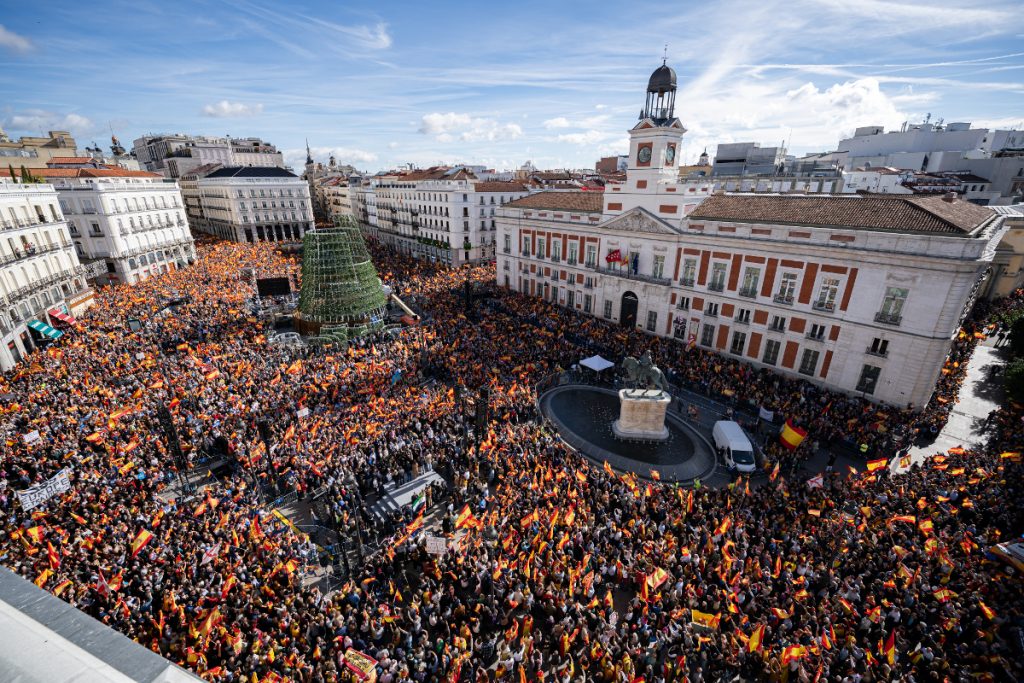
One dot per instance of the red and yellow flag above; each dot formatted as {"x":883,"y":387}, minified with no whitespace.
{"x":754,"y":643}
{"x":877,"y":464}
{"x":792,"y":436}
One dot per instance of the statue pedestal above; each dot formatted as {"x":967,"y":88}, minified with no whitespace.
{"x":642,"y":415}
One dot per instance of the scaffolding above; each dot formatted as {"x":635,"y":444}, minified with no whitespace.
{"x":342,"y":296}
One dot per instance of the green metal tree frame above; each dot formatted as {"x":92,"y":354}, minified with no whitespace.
{"x":341,"y":292}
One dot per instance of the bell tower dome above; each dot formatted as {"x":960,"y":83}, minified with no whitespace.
{"x":661,"y":95}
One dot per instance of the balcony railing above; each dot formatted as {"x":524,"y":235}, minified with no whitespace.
{"x":626,"y":274}
{"x":824,"y":306}
{"x":710,"y":313}
{"x":716,"y":286}
{"x":749,"y":292}
{"x":776,"y":328}
{"x":688,"y":282}
{"x":570,"y":262}
{"x":784,"y":299}
{"x":741,"y":321}
{"x":881,"y":353}
{"x":888,"y":318}
{"x":815,"y":336}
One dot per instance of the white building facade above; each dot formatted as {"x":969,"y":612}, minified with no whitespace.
{"x":42,"y":283}
{"x":175,"y":155}
{"x":445,"y":215}
{"x":130,"y":224}
{"x":861,"y":294}
{"x":254,"y":204}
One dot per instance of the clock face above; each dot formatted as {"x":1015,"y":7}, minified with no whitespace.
{"x":670,"y":154}
{"x":644,"y":156}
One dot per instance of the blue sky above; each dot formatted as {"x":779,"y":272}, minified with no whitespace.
{"x":560,"y":83}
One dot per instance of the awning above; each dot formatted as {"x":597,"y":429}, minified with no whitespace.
{"x":62,"y":316}
{"x":596,"y":363}
{"x":42,"y":328}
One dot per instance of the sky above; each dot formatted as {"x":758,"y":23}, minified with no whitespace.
{"x":384,"y":84}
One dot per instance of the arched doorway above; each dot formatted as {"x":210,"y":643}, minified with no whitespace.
{"x":627,"y":310}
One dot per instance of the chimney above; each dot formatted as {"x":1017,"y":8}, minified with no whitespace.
{"x":949,"y":197}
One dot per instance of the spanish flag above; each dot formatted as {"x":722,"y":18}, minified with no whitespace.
{"x":608,"y":469}
{"x":43,"y":577}
{"x":657,"y":577}
{"x":655,"y":475}
{"x":704,"y":619}
{"x":95,"y":437}
{"x":792,"y":653}
{"x":61,"y":587}
{"x":754,"y":643}
{"x":465,"y":515}
{"x":877,"y":464}
{"x":792,"y":436}
{"x":987,"y":611}
{"x":890,"y":648}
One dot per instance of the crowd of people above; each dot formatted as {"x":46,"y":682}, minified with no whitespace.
{"x":556,"y":569}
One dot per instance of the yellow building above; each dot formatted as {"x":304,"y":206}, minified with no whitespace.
{"x":35,"y":152}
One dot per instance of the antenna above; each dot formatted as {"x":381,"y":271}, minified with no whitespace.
{"x":664,"y":56}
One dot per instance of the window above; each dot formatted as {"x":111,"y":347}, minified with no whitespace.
{"x":809,"y":362}
{"x":587,"y":303}
{"x":778,"y":324}
{"x":540,"y":247}
{"x":816,"y":332}
{"x":659,"y":266}
{"x":826,"y":300}
{"x":689,"y":272}
{"x":591,"y":255}
{"x":707,"y":335}
{"x":711,"y":309}
{"x":556,"y":250}
{"x":608,"y":308}
{"x":751,"y":277}
{"x":684,"y":303}
{"x":526,"y":246}
{"x":652,"y":321}
{"x":787,"y":288}
{"x":570,"y":299}
{"x":717,"y":283}
{"x":743,"y":316}
{"x":506,"y":266}
{"x":739,"y":341}
{"x":573,"y":253}
{"x":771,"y":352}
{"x":508,"y":243}
{"x":879,"y":347}
{"x":868,"y":379}
{"x":892,"y":306}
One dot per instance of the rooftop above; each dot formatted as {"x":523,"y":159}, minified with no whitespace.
{"x":907,"y":213}
{"x":252,"y":172}
{"x":584,"y":202}
{"x":499,"y":186}
{"x":106,"y":172}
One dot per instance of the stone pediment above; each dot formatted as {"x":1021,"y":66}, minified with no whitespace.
{"x":659,"y":123}
{"x":642,"y":221}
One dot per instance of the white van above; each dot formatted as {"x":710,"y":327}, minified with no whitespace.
{"x":735,"y":447}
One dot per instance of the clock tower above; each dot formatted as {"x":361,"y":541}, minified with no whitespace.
{"x":656,"y":138}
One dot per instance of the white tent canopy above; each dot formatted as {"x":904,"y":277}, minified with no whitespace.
{"x":596,"y":363}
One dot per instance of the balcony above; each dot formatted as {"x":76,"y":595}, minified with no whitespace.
{"x":879,"y":353}
{"x":784,"y":299}
{"x":627,"y":275}
{"x":506,"y":250}
{"x":556,"y":259}
{"x":716,"y":286}
{"x":749,"y":292}
{"x":711,"y":313}
{"x":688,"y":282}
{"x":820,"y":336}
{"x":776,"y":328}
{"x":888,"y":318}
{"x":824,"y":306}
{"x":554,"y":276}
{"x":741,"y":321}
{"x":570,"y":261}
{"x":526,"y":253}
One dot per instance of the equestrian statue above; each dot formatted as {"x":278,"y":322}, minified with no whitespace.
{"x":643,"y":373}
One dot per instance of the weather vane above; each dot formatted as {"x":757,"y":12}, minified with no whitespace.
{"x":664,"y":56}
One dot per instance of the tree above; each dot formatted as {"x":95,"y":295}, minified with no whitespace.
{"x":10,"y":167}
{"x":1013,"y":379}
{"x":1017,"y":338}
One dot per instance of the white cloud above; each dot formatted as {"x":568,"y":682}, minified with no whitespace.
{"x":225,"y":109}
{"x":40,"y":120}
{"x":589,"y":138}
{"x":12,"y":41}
{"x":451,"y":126}
{"x":586,"y":122}
{"x":600,"y":106}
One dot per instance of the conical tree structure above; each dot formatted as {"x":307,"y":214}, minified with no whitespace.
{"x":340,"y":285}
